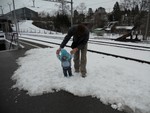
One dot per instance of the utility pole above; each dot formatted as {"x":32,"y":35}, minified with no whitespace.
{"x":1,"y":10}
{"x":147,"y":25}
{"x":15,"y":20}
{"x":33,"y":3}
{"x":62,"y":2}
{"x":9,"y":4}
{"x":71,"y":12}
{"x":71,"y":2}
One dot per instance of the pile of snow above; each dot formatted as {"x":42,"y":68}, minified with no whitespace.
{"x":121,"y":83}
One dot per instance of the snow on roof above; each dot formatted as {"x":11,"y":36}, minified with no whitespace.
{"x":98,"y":29}
{"x":125,"y":27}
{"x":108,"y":29}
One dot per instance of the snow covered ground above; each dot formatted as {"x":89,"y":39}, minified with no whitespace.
{"x":27,"y":26}
{"x":57,"y":38}
{"x":137,"y":54}
{"x":112,"y":80}
{"x":119,"y":82}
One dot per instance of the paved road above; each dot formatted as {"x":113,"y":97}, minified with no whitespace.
{"x":16,"y":101}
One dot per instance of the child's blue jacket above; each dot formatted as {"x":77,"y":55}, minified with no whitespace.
{"x":67,"y":62}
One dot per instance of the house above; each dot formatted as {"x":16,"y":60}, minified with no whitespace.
{"x":23,"y":14}
{"x":5,"y":24}
{"x":110,"y":27}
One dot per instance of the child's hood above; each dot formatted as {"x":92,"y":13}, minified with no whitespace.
{"x":64,"y":53}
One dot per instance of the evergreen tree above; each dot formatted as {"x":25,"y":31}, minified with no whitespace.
{"x":137,"y":9}
{"x":89,"y":15}
{"x":90,"y":12}
{"x":61,"y":22}
{"x":110,"y":17}
{"x":81,"y":18}
{"x":116,"y":12}
{"x":76,"y":17}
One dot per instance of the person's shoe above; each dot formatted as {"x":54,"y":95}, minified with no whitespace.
{"x":70,"y":75}
{"x":83,"y":75}
{"x":76,"y":71}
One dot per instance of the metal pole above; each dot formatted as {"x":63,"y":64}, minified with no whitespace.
{"x":33,"y":3}
{"x":9,"y":6}
{"x":71,"y":12}
{"x":15,"y":20}
{"x":62,"y":2}
{"x":1,"y":9}
{"x":10,"y":11}
{"x":147,"y":25}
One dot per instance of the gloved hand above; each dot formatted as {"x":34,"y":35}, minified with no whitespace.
{"x":58,"y":51}
{"x":73,"y":51}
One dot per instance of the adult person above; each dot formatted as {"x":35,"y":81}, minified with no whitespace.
{"x":80,"y":35}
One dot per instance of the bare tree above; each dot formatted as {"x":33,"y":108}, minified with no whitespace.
{"x":63,"y":8}
{"x":81,"y":8}
{"x":141,"y":17}
{"x":130,"y":4}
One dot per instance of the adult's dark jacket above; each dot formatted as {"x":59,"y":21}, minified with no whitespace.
{"x":79,"y":41}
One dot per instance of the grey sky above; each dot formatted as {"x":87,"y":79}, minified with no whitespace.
{"x":50,"y":6}
{"x":107,"y":4}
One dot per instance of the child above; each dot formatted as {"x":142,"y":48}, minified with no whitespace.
{"x":65,"y":59}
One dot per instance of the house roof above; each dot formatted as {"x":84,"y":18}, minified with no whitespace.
{"x":19,"y":9}
{"x":98,"y":29}
{"x":25,"y":8}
